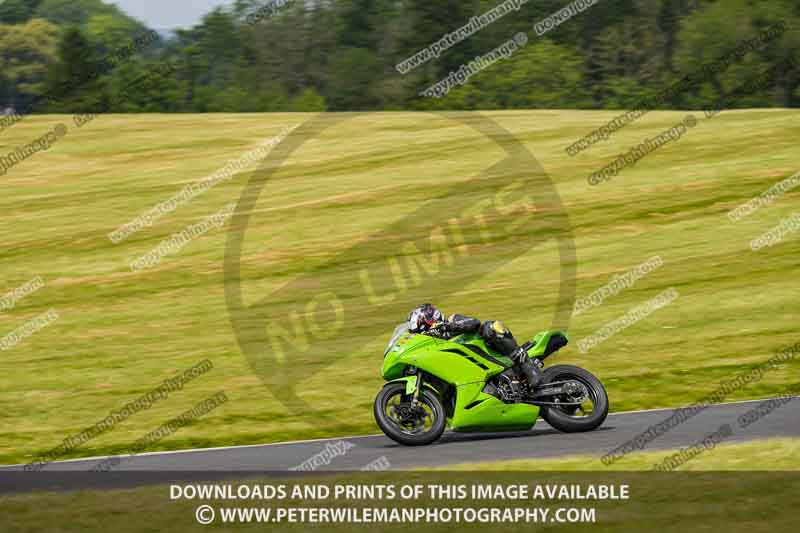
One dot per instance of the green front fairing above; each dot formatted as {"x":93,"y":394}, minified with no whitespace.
{"x":430,"y":354}
{"x":468,"y":372}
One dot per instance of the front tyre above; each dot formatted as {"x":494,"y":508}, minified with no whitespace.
{"x":405,"y":423}
{"x":589,"y":413}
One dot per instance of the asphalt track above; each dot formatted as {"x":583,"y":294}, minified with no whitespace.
{"x":540,"y":442}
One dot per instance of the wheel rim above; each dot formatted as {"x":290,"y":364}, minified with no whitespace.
{"x":409,"y":420}
{"x":587,"y":397}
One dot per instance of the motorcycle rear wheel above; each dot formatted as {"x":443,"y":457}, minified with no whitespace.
{"x":565,"y":418}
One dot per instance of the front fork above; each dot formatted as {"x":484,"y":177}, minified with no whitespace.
{"x":415,"y":398}
{"x":414,"y":384}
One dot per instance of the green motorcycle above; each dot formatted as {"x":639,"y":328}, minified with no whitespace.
{"x":462,"y":384}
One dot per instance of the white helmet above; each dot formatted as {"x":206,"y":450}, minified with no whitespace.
{"x":423,"y":317}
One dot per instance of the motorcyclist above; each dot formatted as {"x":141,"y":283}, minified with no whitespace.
{"x":429,"y":320}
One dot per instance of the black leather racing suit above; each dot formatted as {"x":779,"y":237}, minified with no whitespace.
{"x":499,"y":338}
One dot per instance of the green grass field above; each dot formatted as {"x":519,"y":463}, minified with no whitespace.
{"x":120,"y":333}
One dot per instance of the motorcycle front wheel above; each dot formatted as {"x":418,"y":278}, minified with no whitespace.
{"x":405,"y":423}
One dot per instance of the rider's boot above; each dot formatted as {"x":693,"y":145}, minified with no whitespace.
{"x":527,"y":367}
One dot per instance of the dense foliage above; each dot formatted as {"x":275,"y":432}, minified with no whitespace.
{"x":341,"y":55}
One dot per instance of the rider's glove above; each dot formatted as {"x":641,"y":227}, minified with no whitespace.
{"x":439,"y":328}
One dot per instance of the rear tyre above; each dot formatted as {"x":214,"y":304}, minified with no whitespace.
{"x":403,"y":423}
{"x":571,"y":418}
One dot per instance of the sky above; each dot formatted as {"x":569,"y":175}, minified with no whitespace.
{"x":168,"y":14}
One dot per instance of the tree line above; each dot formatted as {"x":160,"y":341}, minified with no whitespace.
{"x":348,"y":55}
